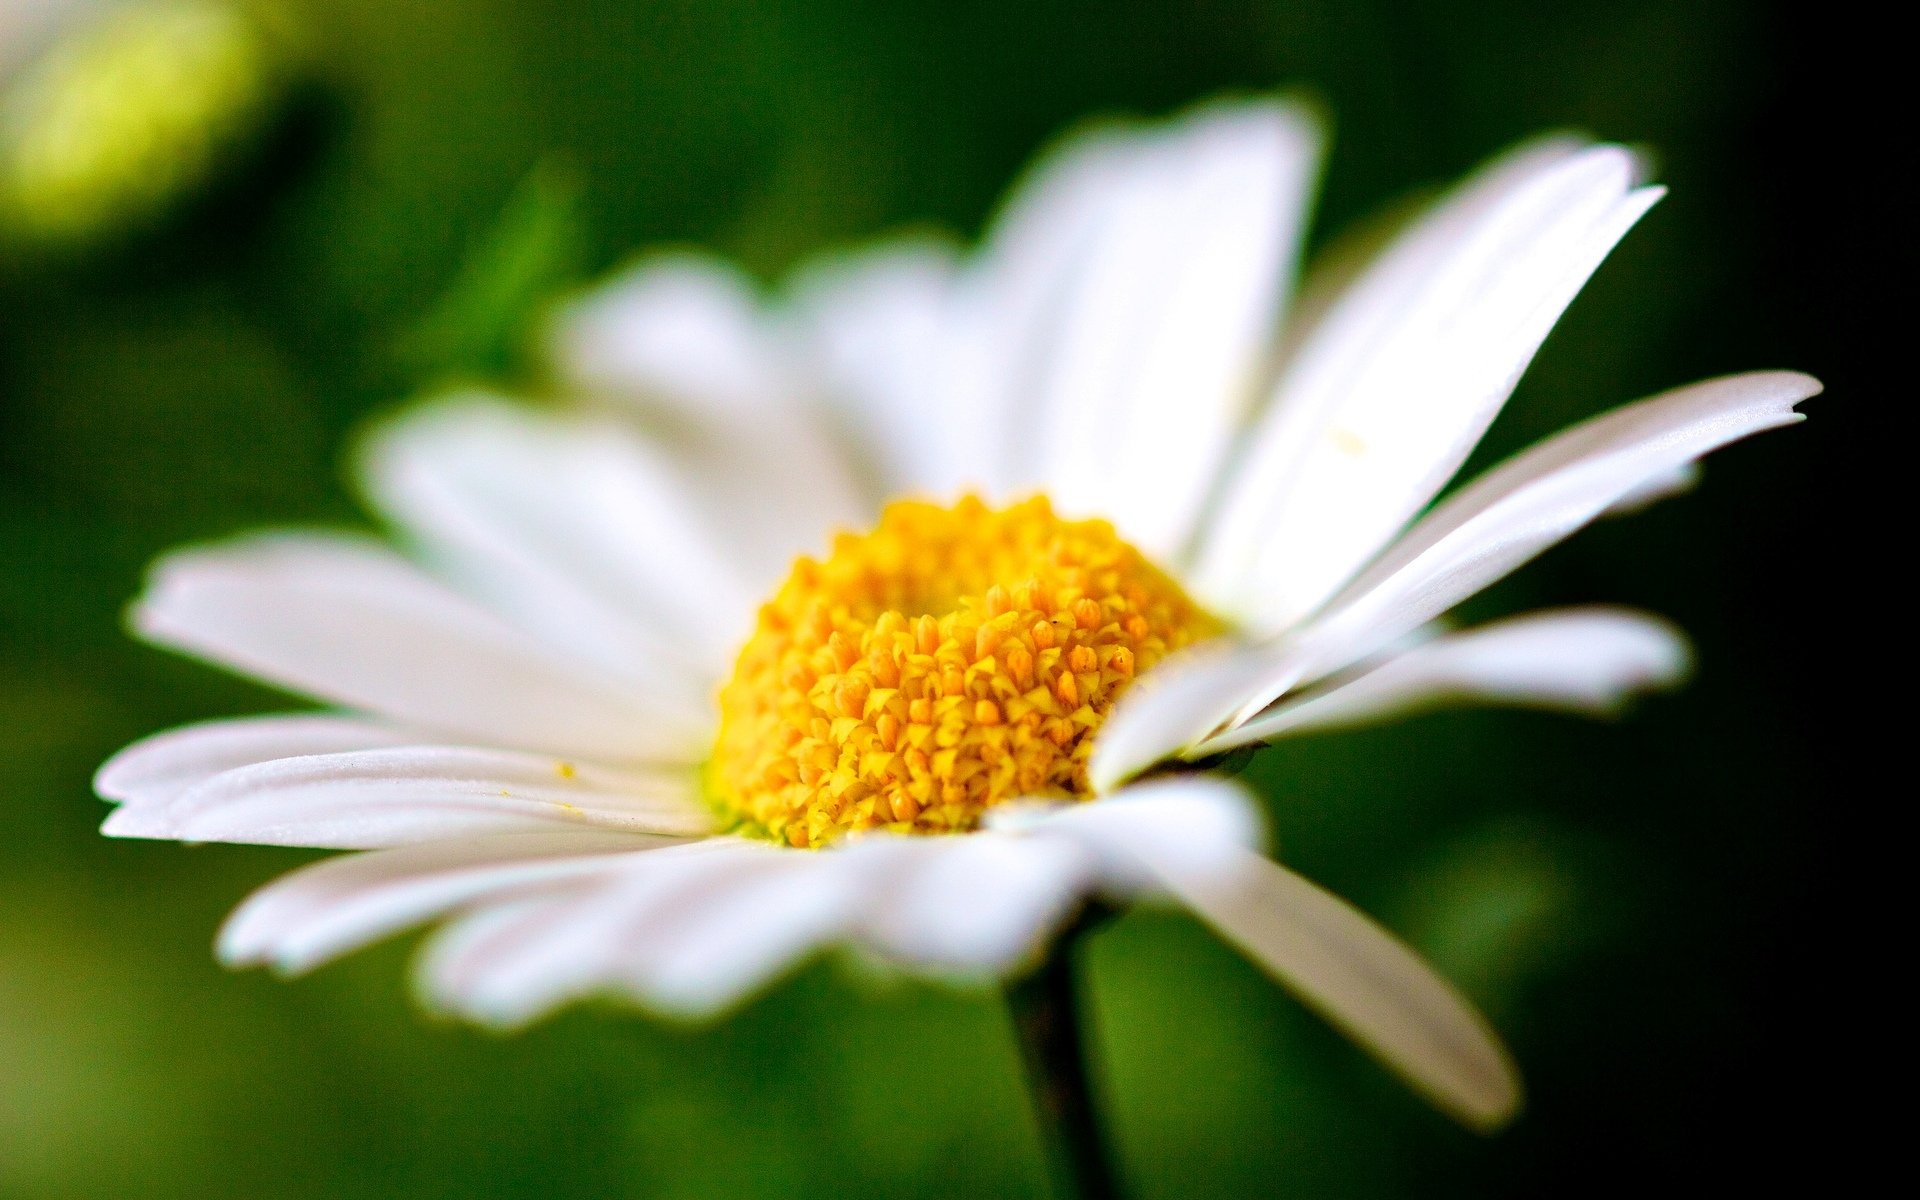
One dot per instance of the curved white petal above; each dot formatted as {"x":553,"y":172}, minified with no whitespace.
{"x":508,"y":963}
{"x":1166,"y":313}
{"x":739,"y":936}
{"x":1581,"y":660}
{"x":677,"y":330}
{"x":974,"y":906}
{"x":1008,"y":300}
{"x":1203,"y":820}
{"x":158,"y":768}
{"x":687,"y":931}
{"x":888,"y":338}
{"x":1515,"y":511}
{"x":352,"y":623}
{"x":684,"y":343}
{"x":320,"y":912}
{"x":372,"y":798}
{"x":1193,"y":836}
{"x":1176,"y":704}
{"x":1371,"y":265}
{"x":1353,"y":972}
{"x":1379,"y":408}
{"x":1484,"y":531}
{"x":582,"y":531}
{"x":1676,"y":482}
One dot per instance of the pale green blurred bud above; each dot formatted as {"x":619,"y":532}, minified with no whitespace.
{"x":133,"y":113}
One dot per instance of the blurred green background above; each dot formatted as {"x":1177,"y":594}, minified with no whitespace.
{"x":1634,"y":903}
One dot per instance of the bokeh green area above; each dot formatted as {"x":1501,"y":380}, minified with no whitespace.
{"x":1623,"y":898}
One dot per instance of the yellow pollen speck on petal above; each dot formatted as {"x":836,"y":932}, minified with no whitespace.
{"x":1348,"y":442}
{"x":951,"y":659}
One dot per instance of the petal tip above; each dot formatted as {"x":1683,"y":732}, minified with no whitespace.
{"x":1497,"y":1106}
{"x":137,"y":822}
{"x":111,"y":780}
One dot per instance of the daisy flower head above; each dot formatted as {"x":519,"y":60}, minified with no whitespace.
{"x":888,"y":611}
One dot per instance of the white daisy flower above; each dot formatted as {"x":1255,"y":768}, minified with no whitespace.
{"x":1082,"y":455}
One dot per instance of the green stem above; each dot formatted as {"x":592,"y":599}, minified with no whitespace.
{"x":1047,"y":1018}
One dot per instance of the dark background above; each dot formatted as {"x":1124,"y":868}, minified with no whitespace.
{"x":1651,"y":910}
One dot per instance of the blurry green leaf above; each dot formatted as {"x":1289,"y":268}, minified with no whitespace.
{"x":538,"y":246}
{"x":1494,"y":910}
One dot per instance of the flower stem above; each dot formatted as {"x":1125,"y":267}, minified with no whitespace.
{"x":1048,"y":1020}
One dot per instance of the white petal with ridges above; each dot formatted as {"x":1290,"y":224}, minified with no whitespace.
{"x":736,"y":936}
{"x":583,"y":531}
{"x":686,"y":932}
{"x":1487,"y":529}
{"x":348,"y":621}
{"x":373,"y":798}
{"x":1193,"y":837}
{"x":1580,"y":660}
{"x":1384,"y":402}
{"x":158,"y":768}
{"x":506,"y":964}
{"x":686,"y":344}
{"x":341,"y":904}
{"x":1362,"y":276}
{"x":1355,"y":974}
{"x":1517,"y":510}
{"x":1165,"y":314}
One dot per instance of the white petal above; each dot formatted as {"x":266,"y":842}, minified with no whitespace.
{"x":1009,"y":301}
{"x":739,"y":935}
{"x":1381,"y":406}
{"x":1676,"y":482}
{"x":373,"y":798}
{"x":469,"y":968}
{"x":1534,"y":500}
{"x":507,"y":963}
{"x":974,"y":906}
{"x":1167,"y":313}
{"x":1176,"y":704}
{"x":157,"y":768}
{"x":886,"y":333}
{"x":1354,"y":279}
{"x":684,"y":344}
{"x":1486,"y":530}
{"x":1191,"y":836}
{"x":581,"y":530}
{"x":1203,"y":820}
{"x":1354,"y":973}
{"x":352,"y":623}
{"x":678,"y":330}
{"x":320,"y":912}
{"x":687,"y":932}
{"x":1582,"y":660}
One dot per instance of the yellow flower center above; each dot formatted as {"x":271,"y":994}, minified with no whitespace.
{"x":952,"y":659}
